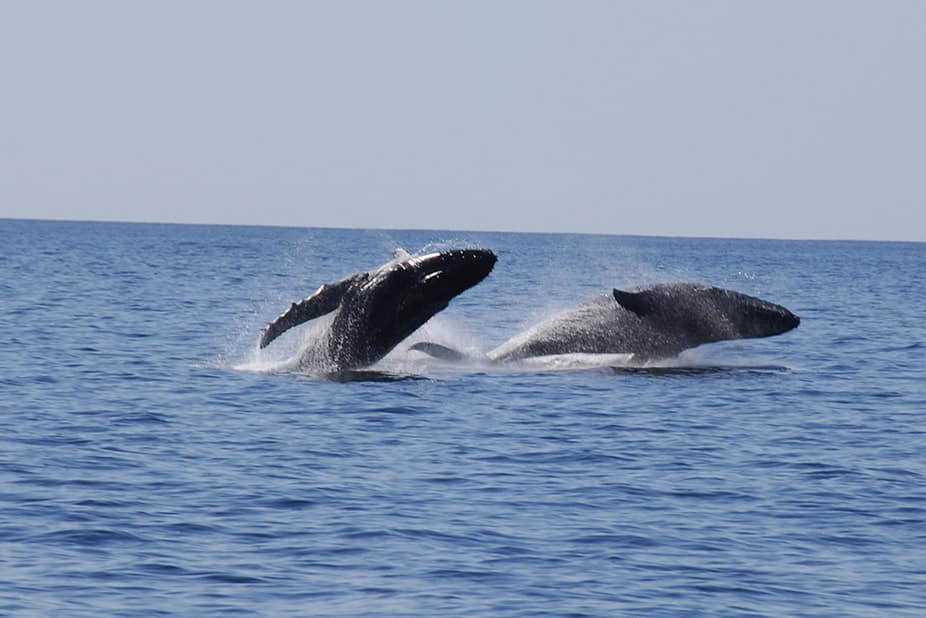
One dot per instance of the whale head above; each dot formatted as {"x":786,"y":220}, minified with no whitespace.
{"x":395,"y":300}
{"x":695,"y":314}
{"x":755,"y":317}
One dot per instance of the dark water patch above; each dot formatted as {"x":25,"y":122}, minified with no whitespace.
{"x":726,"y":497}
{"x":87,"y":538}
{"x":45,"y":379}
{"x":682,"y":371}
{"x":445,"y":538}
{"x":916,"y":345}
{"x":100,"y":503}
{"x":290,"y":504}
{"x":74,"y":483}
{"x":229,"y":578}
{"x":467,"y":575}
{"x":446,"y":480}
{"x":190,"y":528}
{"x":616,"y":541}
{"x":404,"y":410}
{"x":132,"y":334}
{"x":161,"y":569}
{"x":371,"y":376}
{"x":553,"y":457}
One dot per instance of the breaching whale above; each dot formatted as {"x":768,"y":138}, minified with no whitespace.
{"x":653,"y":322}
{"x":374,"y":311}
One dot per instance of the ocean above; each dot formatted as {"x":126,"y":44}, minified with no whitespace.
{"x":154,"y":462}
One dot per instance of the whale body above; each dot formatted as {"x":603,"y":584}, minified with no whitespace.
{"x":374,"y":311}
{"x":653,"y":322}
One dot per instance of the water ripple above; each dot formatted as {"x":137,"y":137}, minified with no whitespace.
{"x":141,"y":473}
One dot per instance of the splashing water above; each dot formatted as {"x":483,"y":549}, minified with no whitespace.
{"x":404,"y":363}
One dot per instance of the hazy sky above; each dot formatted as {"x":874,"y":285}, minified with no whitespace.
{"x":803,"y":119}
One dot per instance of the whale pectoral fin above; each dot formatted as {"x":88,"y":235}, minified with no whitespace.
{"x":635,"y":302}
{"x":437,"y":350}
{"x":325,"y":300}
{"x":298,"y":313}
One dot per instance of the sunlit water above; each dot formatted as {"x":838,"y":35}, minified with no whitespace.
{"x":154,"y":462}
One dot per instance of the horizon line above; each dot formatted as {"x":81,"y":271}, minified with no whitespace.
{"x":467,"y":231}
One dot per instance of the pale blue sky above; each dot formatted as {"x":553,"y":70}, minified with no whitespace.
{"x":795,"y":119}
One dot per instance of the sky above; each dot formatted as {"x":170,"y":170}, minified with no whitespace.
{"x":786,"y":119}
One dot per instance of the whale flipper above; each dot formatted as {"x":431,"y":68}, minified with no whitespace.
{"x":325,"y":300}
{"x":438,"y":351}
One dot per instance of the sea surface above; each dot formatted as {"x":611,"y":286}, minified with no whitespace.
{"x":154,"y":463}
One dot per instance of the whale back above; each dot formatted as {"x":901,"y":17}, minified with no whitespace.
{"x":599,"y":326}
{"x":651,"y":322}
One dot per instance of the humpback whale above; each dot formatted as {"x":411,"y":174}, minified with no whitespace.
{"x":374,"y":311}
{"x":652,"y":323}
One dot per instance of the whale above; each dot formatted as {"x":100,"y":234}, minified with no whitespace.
{"x":372,"y":312}
{"x":650,"y":323}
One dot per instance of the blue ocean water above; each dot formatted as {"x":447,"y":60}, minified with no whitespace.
{"x":153,"y":462}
